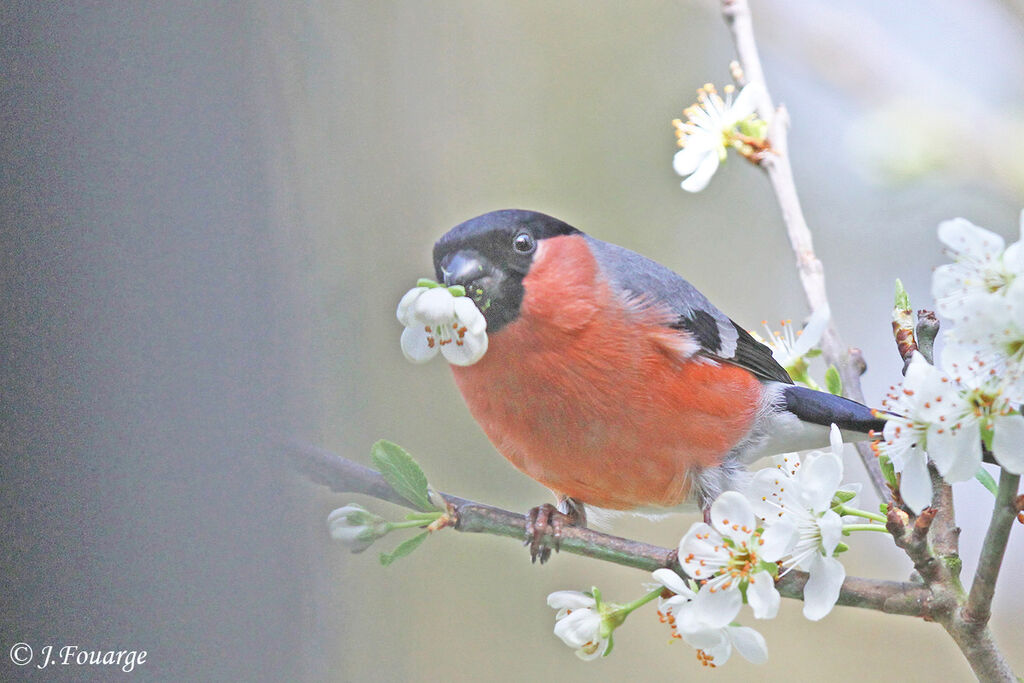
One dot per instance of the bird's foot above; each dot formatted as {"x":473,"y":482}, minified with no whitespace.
{"x":548,"y":521}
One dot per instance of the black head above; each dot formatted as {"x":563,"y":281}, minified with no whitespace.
{"x":491,"y":254}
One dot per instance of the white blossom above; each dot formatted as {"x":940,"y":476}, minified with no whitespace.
{"x":982,"y":295}
{"x":714,"y":644}
{"x":794,"y":499}
{"x":918,"y":426}
{"x":710,"y":128}
{"x":579,"y":624}
{"x":356,"y":527}
{"x":725,"y":556}
{"x":989,"y":411}
{"x":436,"y":320}
{"x":981,"y":269}
{"x":789,"y":347}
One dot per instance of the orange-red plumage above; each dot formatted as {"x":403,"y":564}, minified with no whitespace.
{"x":593,"y":396}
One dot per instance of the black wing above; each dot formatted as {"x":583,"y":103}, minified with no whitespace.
{"x":719,"y":337}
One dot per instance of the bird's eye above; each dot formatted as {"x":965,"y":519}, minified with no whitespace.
{"x":524,"y":243}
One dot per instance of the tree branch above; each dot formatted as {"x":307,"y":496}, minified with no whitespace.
{"x":811,"y":271}
{"x":969,"y":629}
{"x":979,"y":603}
{"x":345,"y":476}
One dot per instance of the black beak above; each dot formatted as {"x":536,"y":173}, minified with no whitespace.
{"x":462,"y":267}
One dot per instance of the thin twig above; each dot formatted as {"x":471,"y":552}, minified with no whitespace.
{"x":780,"y":173}
{"x":979,"y":603}
{"x":344,"y":476}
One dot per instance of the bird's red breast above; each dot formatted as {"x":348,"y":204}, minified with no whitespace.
{"x":592,"y":394}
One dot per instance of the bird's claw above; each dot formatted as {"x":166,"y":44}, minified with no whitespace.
{"x":548,"y":521}
{"x":544,"y":520}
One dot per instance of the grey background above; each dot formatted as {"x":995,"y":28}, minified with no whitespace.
{"x":210,"y":212}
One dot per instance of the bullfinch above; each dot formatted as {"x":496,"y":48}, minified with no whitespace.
{"x":612,"y":381}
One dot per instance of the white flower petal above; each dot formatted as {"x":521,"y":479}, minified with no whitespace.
{"x":915,"y":482}
{"x":956,"y":453}
{"x":762,"y":491}
{"x":762,"y":596}
{"x":688,"y":158}
{"x":712,"y":609}
{"x":1008,"y":443}
{"x":811,"y":335}
{"x":819,"y":478}
{"x":720,"y":653}
{"x":593,"y":652}
{"x":416,"y":344}
{"x":570,"y":600}
{"x":966,"y":238}
{"x":830,"y":526}
{"x":745,"y":103}
{"x":469,"y":315}
{"x":701,"y":176}
{"x":732,"y":516}
{"x":918,"y":371}
{"x":778,"y":539}
{"x":835,"y":441}
{"x":346,"y":534}
{"x":1015,"y":294}
{"x":822,"y":588}
{"x":579,"y":627}
{"x":701,"y":551}
{"x":749,"y":643}
{"x":1013,"y":258}
{"x":472,"y":349}
{"x":711,"y":640}
{"x":435,"y":306}
{"x":404,"y":312}
{"x":672,"y":581}
{"x":947,"y":288}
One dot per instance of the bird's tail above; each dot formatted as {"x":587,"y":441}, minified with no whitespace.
{"x":821,"y":408}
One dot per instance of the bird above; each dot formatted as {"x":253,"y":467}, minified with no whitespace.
{"x":613,"y":381}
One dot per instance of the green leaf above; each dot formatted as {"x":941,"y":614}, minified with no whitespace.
{"x":888,"y":471}
{"x":813,"y":353}
{"x":986,"y":480}
{"x":840,"y":499}
{"x":833,"y":382}
{"x":402,"y":472}
{"x":426,"y":282}
{"x":987,"y":433}
{"x":902,"y":298}
{"x":403,"y":549}
{"x":457,"y":290}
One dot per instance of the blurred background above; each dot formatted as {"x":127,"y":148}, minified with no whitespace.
{"x":211,"y":211}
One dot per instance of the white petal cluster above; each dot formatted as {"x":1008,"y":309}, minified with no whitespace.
{"x":789,"y":347}
{"x":973,"y":396}
{"x":437,"y":321}
{"x":711,"y":127}
{"x":714,"y":643}
{"x":579,"y":624}
{"x":725,"y":558}
{"x":982,"y":295}
{"x":801,"y":530}
{"x":786,"y":518}
{"x":356,"y":527}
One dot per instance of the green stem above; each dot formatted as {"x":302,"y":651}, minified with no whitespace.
{"x":865,"y":527}
{"x":639,"y":602}
{"x":843,"y":510}
{"x":424,"y":516}
{"x":412,"y":524}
